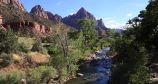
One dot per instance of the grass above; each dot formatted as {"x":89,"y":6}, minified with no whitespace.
{"x":38,"y":57}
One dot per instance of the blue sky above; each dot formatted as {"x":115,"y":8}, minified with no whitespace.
{"x":115,"y":13}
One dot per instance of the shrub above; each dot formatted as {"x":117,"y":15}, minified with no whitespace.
{"x":8,"y":41}
{"x":48,"y":39}
{"x":40,"y":74}
{"x":11,"y":77}
{"x":39,"y":48}
{"x":5,"y":59}
{"x":23,"y":48}
{"x":54,"y":49}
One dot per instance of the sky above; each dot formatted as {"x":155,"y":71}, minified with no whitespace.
{"x":115,"y":13}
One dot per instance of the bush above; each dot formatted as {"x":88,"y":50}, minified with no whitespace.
{"x":141,"y":76}
{"x":5,"y":59}
{"x":8,"y":41}
{"x":23,"y":48}
{"x":54,"y":49}
{"x":39,"y":48}
{"x":48,"y":39}
{"x":40,"y":74}
{"x":11,"y":77}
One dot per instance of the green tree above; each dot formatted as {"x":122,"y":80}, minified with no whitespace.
{"x":130,"y":66}
{"x":89,"y":33}
{"x":8,"y":41}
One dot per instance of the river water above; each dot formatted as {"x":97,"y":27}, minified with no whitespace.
{"x":95,"y":72}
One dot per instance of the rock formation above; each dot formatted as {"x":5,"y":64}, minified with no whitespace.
{"x":14,"y":18}
{"x":100,"y":24}
{"x":83,"y":14}
{"x":101,"y":27}
{"x":39,"y":11}
{"x":53,"y":17}
{"x":15,"y":3}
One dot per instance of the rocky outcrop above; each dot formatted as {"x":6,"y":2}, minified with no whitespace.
{"x":100,"y":24}
{"x":21,"y":21}
{"x":41,"y":29}
{"x":101,"y":27}
{"x":35,"y":28}
{"x":15,"y":3}
{"x":53,"y":17}
{"x":39,"y":11}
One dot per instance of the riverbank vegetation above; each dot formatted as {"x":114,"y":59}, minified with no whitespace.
{"x":137,"y":49}
{"x":52,"y":58}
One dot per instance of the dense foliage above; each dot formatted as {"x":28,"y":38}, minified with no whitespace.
{"x":137,"y":48}
{"x":8,"y":41}
{"x":8,"y":44}
{"x":130,"y":63}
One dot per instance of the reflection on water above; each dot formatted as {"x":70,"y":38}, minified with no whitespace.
{"x":96,"y":72}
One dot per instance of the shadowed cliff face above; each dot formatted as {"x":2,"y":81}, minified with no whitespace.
{"x":71,"y":20}
{"x":15,"y":3}
{"x":83,"y":14}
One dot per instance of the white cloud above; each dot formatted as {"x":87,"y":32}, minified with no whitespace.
{"x":111,"y":23}
{"x":72,"y":13}
{"x":58,"y":3}
{"x":129,"y":15}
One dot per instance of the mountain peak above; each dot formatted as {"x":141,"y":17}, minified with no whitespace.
{"x":82,"y":9}
{"x":81,"y":14}
{"x":39,"y":11}
{"x":38,"y":7}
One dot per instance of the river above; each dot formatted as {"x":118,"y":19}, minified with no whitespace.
{"x":95,"y":72}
